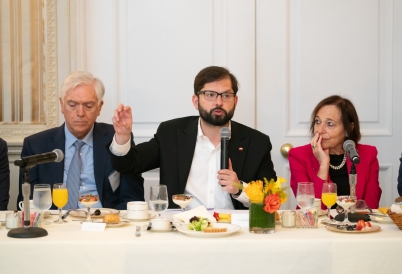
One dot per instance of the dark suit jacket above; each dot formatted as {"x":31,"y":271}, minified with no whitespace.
{"x":172,"y":150}
{"x":4,"y":176}
{"x":131,"y":186}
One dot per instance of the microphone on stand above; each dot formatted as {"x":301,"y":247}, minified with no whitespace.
{"x":225,"y":136}
{"x":350,"y":147}
{"x":55,"y":156}
{"x":26,"y":163}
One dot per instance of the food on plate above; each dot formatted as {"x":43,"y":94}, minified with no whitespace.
{"x":362,"y":225}
{"x":223,"y":217}
{"x":198,"y":223}
{"x":111,"y":219}
{"x":214,"y":229}
{"x":88,"y":200}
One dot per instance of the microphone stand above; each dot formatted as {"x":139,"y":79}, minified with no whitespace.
{"x":352,"y":184}
{"x":27,"y":231}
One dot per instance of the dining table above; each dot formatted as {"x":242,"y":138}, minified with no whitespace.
{"x":69,"y":249}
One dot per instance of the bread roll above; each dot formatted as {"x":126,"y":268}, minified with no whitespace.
{"x":111,"y":218}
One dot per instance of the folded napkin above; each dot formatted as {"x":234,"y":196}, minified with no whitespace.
{"x":396,"y":208}
{"x":200,"y":211}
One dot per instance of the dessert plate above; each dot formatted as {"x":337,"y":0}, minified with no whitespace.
{"x":82,"y":213}
{"x":374,"y":228}
{"x":119,"y":224}
{"x":182,"y":227}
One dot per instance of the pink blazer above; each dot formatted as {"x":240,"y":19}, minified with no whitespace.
{"x":304,"y":167}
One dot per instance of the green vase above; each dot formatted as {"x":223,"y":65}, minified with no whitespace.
{"x":260,"y":221}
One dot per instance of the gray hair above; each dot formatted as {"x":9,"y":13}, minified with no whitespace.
{"x":79,"y":78}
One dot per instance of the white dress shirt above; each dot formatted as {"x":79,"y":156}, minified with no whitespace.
{"x":202,"y":182}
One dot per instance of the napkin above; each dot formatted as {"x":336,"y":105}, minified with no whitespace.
{"x":200,"y":211}
{"x":396,"y":208}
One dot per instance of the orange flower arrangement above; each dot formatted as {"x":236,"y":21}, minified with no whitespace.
{"x":271,"y":193}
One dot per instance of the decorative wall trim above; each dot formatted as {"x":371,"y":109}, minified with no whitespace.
{"x":14,"y":132}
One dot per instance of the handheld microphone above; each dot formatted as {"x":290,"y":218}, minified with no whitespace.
{"x":55,"y":156}
{"x":225,"y":136}
{"x":350,"y":147}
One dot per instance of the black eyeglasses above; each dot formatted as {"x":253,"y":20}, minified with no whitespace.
{"x":212,"y":95}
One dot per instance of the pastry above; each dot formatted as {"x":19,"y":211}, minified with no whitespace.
{"x":214,"y":229}
{"x":111,"y":219}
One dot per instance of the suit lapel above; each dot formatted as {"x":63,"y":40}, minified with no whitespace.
{"x":186,"y":140}
{"x":238,"y":146}
{"x":59,"y":142}
{"x":100,"y":155}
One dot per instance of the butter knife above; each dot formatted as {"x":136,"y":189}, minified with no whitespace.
{"x":137,"y":231}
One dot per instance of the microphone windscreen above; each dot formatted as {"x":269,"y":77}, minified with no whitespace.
{"x":225,"y":133}
{"x":348,"y":144}
{"x":59,"y":155}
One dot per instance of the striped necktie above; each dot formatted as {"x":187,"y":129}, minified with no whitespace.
{"x":74,"y":176}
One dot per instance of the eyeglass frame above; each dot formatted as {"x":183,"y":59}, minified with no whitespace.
{"x":217,"y":94}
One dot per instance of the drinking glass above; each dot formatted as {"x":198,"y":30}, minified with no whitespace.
{"x":182,"y":200}
{"x":158,"y":200}
{"x":60,"y":199}
{"x":328,"y":196}
{"x":42,"y":198}
{"x":346,"y":202}
{"x":88,"y":201}
{"x":305,"y":195}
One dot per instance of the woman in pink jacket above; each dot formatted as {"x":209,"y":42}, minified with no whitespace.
{"x":333,"y":121}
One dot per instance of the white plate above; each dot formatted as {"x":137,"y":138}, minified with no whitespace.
{"x":150,"y":216}
{"x":119,"y":224}
{"x":230,"y":230}
{"x":82,"y":212}
{"x":384,"y":220}
{"x":374,"y":228}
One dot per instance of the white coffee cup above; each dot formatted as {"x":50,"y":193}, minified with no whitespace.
{"x":31,"y":205}
{"x":137,"y":210}
{"x":160,"y":224}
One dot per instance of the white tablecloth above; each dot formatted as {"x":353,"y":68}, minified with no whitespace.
{"x":67,"y":249}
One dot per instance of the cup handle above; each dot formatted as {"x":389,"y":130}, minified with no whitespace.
{"x":21,"y":205}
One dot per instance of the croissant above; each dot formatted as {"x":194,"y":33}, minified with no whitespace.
{"x":111,"y":218}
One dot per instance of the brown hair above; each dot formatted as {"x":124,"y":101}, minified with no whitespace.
{"x":212,"y":74}
{"x":349,"y":117}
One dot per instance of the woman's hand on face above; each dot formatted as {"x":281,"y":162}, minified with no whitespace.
{"x":322,"y":155}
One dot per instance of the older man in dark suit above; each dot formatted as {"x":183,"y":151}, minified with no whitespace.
{"x":81,"y":101}
{"x":4,"y":176}
{"x":187,"y":150}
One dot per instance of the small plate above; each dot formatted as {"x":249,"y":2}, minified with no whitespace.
{"x":384,"y":220}
{"x":374,"y":228}
{"x":150,"y":216}
{"x":82,"y":212}
{"x":230,"y":230}
{"x":119,"y":224}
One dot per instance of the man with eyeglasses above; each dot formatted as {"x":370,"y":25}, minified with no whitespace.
{"x":187,"y":150}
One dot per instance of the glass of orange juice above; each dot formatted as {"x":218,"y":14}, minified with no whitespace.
{"x":60,"y":199}
{"x":328,"y":196}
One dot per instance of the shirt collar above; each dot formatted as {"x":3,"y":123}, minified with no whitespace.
{"x":201,"y":134}
{"x":70,"y":138}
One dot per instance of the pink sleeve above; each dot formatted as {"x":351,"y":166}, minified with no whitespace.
{"x":301,"y":170}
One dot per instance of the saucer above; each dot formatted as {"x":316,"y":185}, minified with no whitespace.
{"x":150,"y":216}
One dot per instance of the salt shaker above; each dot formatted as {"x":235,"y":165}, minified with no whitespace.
{"x":12,"y":220}
{"x":288,"y":219}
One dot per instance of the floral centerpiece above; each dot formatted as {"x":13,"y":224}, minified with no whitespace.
{"x":266,"y":198}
